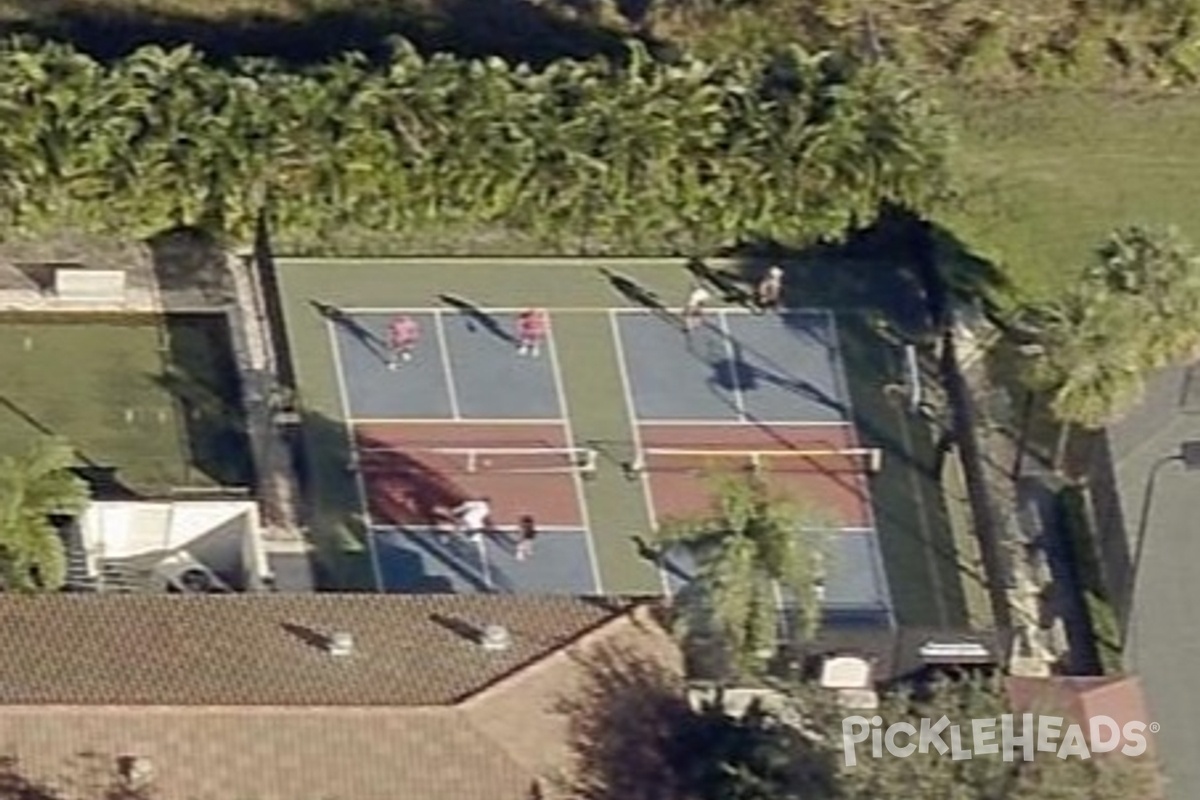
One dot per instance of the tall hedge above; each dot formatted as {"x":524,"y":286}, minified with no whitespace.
{"x":642,"y":157}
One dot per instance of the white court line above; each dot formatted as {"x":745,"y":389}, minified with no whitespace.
{"x":441,"y":530}
{"x":739,"y":398}
{"x":451,"y":389}
{"x":760,"y":423}
{"x":547,"y":421}
{"x":352,"y":448}
{"x":580,"y":495}
{"x":448,"y":308}
{"x":631,"y":411}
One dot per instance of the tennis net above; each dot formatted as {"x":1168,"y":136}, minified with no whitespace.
{"x":857,"y":460}
{"x":473,"y":460}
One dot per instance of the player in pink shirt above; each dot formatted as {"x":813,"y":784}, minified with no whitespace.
{"x":531,"y":329}
{"x":403,"y":335}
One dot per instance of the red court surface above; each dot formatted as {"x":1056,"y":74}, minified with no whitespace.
{"x":411,"y":479}
{"x":680,"y":484}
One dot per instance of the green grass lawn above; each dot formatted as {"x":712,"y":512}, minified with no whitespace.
{"x":155,"y":401}
{"x":1047,"y":175}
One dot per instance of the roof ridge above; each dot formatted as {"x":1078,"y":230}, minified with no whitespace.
{"x":634,"y":611}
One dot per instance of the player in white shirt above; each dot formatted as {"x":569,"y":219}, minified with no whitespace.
{"x":693,"y":309}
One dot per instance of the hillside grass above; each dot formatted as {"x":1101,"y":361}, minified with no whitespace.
{"x":1046,"y":175}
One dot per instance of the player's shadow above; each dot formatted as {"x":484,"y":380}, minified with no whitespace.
{"x":728,"y":284}
{"x":638,"y":294}
{"x":477,"y":317}
{"x":363,"y":335}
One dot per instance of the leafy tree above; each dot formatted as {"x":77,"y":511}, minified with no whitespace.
{"x":1133,"y":312}
{"x":794,"y":749}
{"x":748,"y":550}
{"x":645,"y":156}
{"x":32,"y":487}
{"x":1155,"y":274}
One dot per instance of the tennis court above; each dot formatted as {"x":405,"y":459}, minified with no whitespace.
{"x":619,"y":425}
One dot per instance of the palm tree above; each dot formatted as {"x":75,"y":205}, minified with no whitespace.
{"x":1133,"y":312}
{"x":749,"y":556}
{"x":32,"y":487}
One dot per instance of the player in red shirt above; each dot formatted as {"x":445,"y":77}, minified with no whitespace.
{"x":531,"y":329}
{"x":403,"y":335}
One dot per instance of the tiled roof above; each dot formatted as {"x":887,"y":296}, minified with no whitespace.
{"x":231,"y":650}
{"x":88,"y":681}
{"x":265,"y":754}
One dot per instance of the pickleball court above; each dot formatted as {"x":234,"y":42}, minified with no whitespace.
{"x":465,"y":418}
{"x":755,"y":392}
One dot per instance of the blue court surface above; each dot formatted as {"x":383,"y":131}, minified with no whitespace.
{"x":855,"y":586}
{"x":465,"y":366}
{"x":736,"y":367}
{"x":420,"y":561}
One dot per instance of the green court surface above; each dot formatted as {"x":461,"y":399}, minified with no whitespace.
{"x":150,"y":405}
{"x":585,"y":299}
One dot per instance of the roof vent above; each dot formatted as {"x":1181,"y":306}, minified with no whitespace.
{"x":496,"y":638}
{"x":340,"y":644}
{"x":135,"y":770}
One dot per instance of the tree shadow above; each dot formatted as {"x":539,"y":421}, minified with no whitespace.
{"x":331,"y":509}
{"x":892,"y":285}
{"x":305,"y":32}
{"x":623,"y":723}
{"x":635,"y":737}
{"x":404,"y":489}
{"x":202,"y":375}
{"x":880,"y":270}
